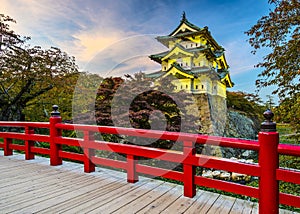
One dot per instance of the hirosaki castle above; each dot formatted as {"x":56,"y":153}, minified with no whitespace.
{"x":195,"y":59}
{"x":196,"y":64}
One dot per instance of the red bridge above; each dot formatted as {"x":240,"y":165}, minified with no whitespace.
{"x":267,"y":168}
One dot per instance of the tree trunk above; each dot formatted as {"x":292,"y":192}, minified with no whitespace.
{"x":12,"y":113}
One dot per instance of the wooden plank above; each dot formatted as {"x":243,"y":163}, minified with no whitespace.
{"x":21,"y":182}
{"x":29,"y":178}
{"x":255,"y":208}
{"x":203,"y":203}
{"x":82,"y":199}
{"x":5,"y":165}
{"x":181,"y":204}
{"x":47,"y":190}
{"x":39,"y":185}
{"x":124,"y":199}
{"x":29,"y":169}
{"x":35,"y":187}
{"x":163,"y":202}
{"x":146,"y":199}
{"x":281,"y":211}
{"x":71,"y":193}
{"x":34,"y":202}
{"x":242,"y":207}
{"x":57,"y":176}
{"x":222,"y":205}
{"x":104,"y":198}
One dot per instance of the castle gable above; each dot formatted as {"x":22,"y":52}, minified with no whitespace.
{"x":177,"y":52}
{"x":184,"y":27}
{"x":178,"y":72}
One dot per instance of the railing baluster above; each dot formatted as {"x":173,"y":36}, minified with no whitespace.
{"x":54,"y":132}
{"x":89,"y":166}
{"x":29,"y":144}
{"x":7,"y":151}
{"x":132,"y":175}
{"x":189,"y":170}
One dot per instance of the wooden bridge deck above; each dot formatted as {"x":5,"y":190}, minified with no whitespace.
{"x":35,"y":187}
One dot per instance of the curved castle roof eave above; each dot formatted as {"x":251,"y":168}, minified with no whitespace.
{"x":177,"y":49}
{"x":204,"y":32}
{"x":227,"y":81}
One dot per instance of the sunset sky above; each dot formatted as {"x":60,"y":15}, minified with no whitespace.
{"x":115,"y":37}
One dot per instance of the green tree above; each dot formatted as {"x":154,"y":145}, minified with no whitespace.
{"x":245,"y":102}
{"x":147,"y":106}
{"x":288,"y":111}
{"x":84,"y":98}
{"x":26,"y":72}
{"x":270,"y":102}
{"x":279,"y":32}
{"x":39,"y":108}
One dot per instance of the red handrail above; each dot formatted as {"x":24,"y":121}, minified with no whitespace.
{"x":267,"y":169}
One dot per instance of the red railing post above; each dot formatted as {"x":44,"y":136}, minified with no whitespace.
{"x":7,"y":151}
{"x":89,"y":166}
{"x":189,"y":170}
{"x":29,"y":144}
{"x":132,"y":175}
{"x":54,"y":132}
{"x":269,"y":162}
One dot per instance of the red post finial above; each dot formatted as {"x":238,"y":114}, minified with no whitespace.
{"x":268,"y":125}
{"x":55,"y":112}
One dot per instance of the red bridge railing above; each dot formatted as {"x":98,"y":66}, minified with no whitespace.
{"x":267,"y":169}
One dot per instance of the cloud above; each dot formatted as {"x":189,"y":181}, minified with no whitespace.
{"x":83,"y":28}
{"x":128,"y":55}
{"x":47,"y":23}
{"x":91,"y":42}
{"x":239,"y":57}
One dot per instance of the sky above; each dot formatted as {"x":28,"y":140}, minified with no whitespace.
{"x":116,"y":37}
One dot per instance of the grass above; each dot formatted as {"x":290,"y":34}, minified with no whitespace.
{"x":284,"y":128}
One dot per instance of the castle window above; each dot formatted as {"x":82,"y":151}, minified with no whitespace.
{"x":199,"y":63}
{"x":186,"y":86}
{"x":202,"y":86}
{"x":165,"y":68}
{"x":196,"y":86}
{"x":181,"y":86}
{"x":191,"y":45}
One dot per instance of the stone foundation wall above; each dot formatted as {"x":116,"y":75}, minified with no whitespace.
{"x":212,"y":113}
{"x":217,"y":120}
